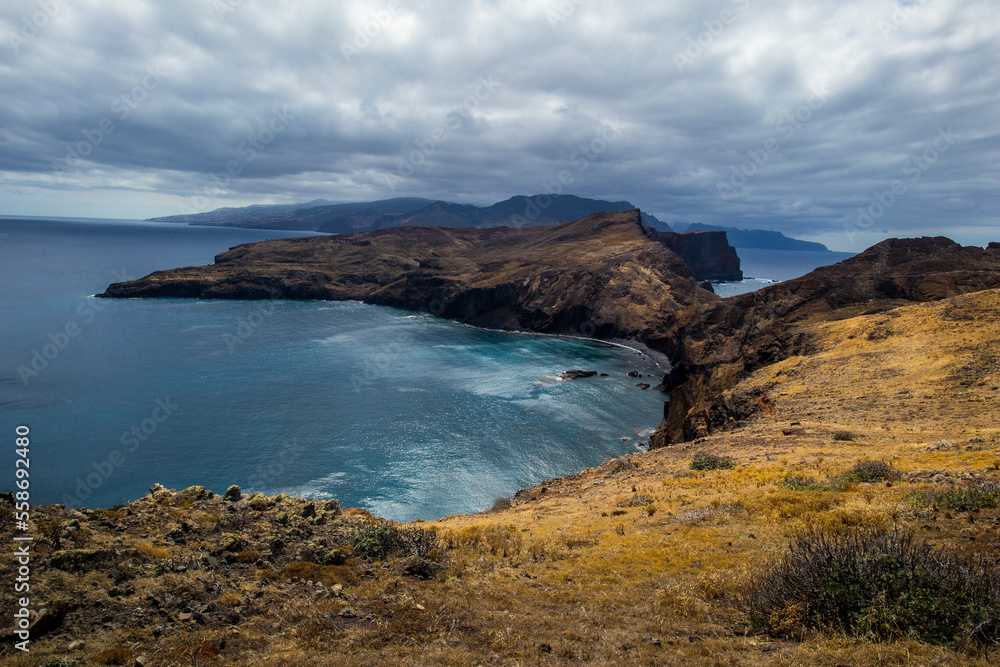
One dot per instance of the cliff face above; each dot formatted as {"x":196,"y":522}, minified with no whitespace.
{"x":707,"y":253}
{"x":604,"y":275}
{"x":716,"y":344}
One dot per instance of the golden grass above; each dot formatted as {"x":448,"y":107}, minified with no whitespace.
{"x":587,"y":573}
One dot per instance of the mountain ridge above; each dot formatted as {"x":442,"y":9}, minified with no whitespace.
{"x":322,"y":216}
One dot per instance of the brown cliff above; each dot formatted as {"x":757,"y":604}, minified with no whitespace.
{"x":604,"y":275}
{"x":716,"y":344}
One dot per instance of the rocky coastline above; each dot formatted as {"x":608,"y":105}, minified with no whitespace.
{"x":605,"y":277}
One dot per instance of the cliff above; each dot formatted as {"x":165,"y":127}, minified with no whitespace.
{"x":761,"y":238}
{"x":714,"y":345}
{"x":604,"y":275}
{"x":708,"y":253}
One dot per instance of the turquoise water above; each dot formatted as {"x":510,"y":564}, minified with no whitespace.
{"x":401,"y":413}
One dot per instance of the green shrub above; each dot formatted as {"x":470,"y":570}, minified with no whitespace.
{"x":843,"y":435}
{"x":878,"y":584}
{"x":705,"y":461}
{"x":801,"y":483}
{"x":379,"y":539}
{"x":870,"y":471}
{"x":982,"y":495}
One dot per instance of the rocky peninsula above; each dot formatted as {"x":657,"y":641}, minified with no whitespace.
{"x":605,"y":275}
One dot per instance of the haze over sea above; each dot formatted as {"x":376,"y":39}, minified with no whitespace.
{"x":401,"y":413}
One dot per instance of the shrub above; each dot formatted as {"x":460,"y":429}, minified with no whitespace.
{"x":801,"y":483}
{"x":115,"y":656}
{"x":969,"y":499}
{"x":501,"y":504}
{"x":379,"y":539}
{"x":51,"y":530}
{"x":638,"y":500}
{"x":705,"y":461}
{"x":843,"y":435}
{"x":879,"y":584}
{"x":870,"y":471}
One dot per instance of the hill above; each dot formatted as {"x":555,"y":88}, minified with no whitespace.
{"x":519,"y":211}
{"x":605,"y":273}
{"x":760,"y":238}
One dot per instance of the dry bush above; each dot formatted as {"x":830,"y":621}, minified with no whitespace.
{"x":501,"y":504}
{"x":705,"y":461}
{"x":150,"y":550}
{"x":114,"y":656}
{"x":871,"y":471}
{"x":878,"y":584}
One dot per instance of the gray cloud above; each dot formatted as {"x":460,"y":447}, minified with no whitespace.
{"x":143,"y":108}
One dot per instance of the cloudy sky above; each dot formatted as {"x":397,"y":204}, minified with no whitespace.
{"x":844,"y":121}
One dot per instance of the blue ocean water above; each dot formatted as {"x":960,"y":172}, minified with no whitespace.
{"x":404,"y":414}
{"x":764,"y":267}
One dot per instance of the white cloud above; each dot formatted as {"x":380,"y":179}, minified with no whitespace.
{"x":893,"y":75}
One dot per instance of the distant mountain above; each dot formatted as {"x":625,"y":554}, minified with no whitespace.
{"x":292,"y":216}
{"x":760,"y":238}
{"x":322,"y":216}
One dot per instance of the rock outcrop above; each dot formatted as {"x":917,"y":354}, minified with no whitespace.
{"x":716,"y":344}
{"x":603,"y":276}
{"x":707,"y":253}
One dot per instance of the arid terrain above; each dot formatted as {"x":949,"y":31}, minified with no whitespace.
{"x":851,"y":411}
{"x":639,"y":561}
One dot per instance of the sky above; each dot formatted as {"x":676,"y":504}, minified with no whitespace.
{"x":841,"y":121}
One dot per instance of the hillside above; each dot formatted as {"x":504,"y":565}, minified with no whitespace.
{"x":716,"y":344}
{"x":519,"y":211}
{"x":605,"y":274}
{"x":642,"y":560}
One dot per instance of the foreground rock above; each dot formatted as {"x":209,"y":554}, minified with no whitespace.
{"x":603,"y":276}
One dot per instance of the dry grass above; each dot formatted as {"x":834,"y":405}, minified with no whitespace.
{"x":586,"y":573}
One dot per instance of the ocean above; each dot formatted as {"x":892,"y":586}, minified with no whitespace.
{"x":401,"y":413}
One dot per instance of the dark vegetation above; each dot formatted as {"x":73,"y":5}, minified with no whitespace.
{"x":878,"y":584}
